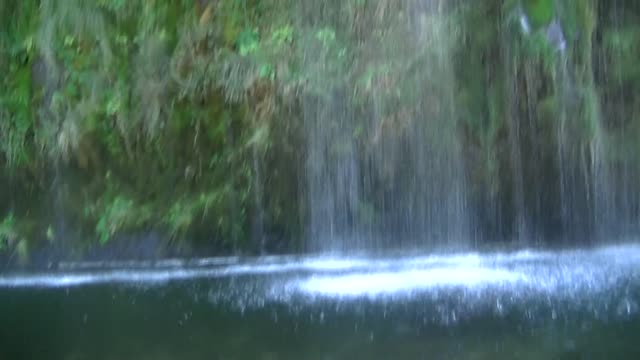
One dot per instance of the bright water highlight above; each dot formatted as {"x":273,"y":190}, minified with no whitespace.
{"x":553,"y":273}
{"x":577,"y":304}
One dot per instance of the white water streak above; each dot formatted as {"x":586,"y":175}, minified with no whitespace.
{"x":540,"y":271}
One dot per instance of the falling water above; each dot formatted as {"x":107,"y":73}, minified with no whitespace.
{"x":573,"y":202}
{"x":393,"y":169}
{"x":384,"y":169}
{"x":620,"y":204}
{"x":258,"y":194}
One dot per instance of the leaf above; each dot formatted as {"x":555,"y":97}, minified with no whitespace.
{"x":247,"y":42}
{"x":327,"y":36}
{"x":266,"y":72}
{"x":114,"y":105}
{"x":282,"y":35}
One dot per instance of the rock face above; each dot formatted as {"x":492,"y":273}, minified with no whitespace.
{"x":318,"y":125}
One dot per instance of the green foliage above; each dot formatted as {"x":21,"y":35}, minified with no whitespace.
{"x":180,"y":218}
{"x":623,"y":45}
{"x":114,"y":217}
{"x":113,"y":5}
{"x":16,"y":55}
{"x":175,"y":100}
{"x":204,"y":209}
{"x":540,"y":12}
{"x":248,"y":42}
{"x":282,"y":36}
{"x":8,"y":232}
{"x":12,"y":238}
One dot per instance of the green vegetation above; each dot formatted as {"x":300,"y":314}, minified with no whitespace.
{"x":540,"y":12}
{"x":8,"y":232}
{"x":185,"y":117}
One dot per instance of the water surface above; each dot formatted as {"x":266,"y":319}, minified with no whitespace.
{"x":579,"y":304}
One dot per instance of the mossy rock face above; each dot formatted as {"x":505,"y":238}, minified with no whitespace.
{"x":196,"y":118}
{"x":539,"y":12}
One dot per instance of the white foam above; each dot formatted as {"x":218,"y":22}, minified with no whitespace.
{"x":344,"y":276}
{"x":86,"y":278}
{"x":136,"y":273}
{"x":373,"y":284}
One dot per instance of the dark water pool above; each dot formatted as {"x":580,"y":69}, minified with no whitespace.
{"x":523,"y":305}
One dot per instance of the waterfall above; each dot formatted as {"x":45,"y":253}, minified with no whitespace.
{"x":387,"y":172}
{"x":568,"y":192}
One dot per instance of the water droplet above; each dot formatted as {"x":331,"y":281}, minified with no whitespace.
{"x":555,"y":35}
{"x":524,"y":24}
{"x":499,"y":307}
{"x":627,"y":308}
